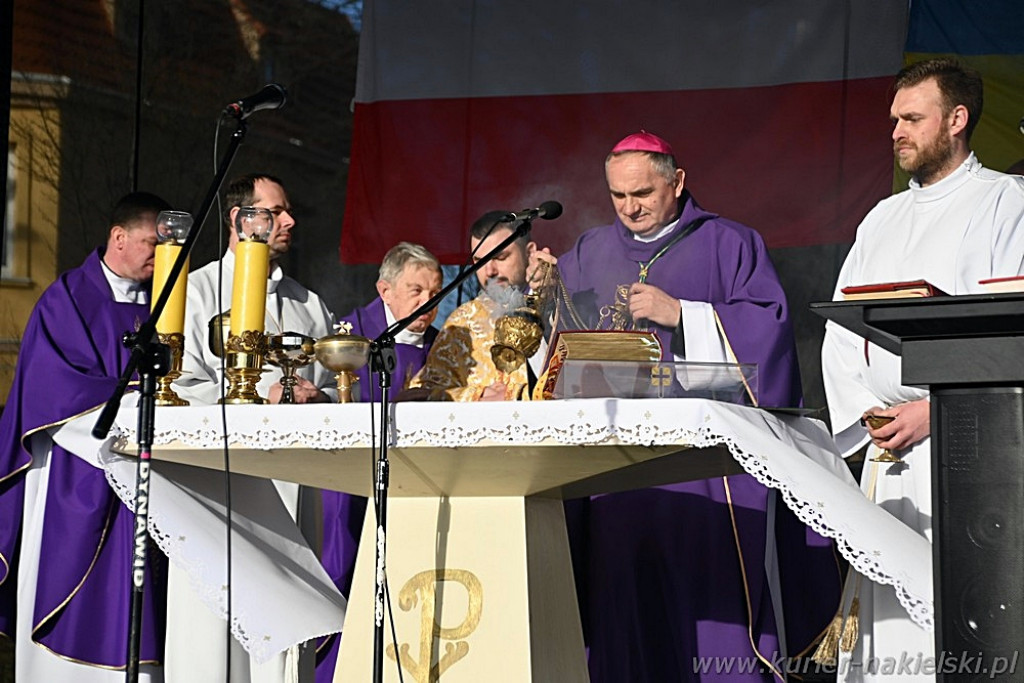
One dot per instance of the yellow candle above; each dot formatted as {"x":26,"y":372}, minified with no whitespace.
{"x":172,"y":319}
{"x":249,"y":296}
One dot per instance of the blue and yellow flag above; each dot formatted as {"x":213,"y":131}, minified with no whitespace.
{"x":988,"y":36}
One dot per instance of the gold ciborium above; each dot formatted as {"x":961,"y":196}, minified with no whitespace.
{"x":243,"y":355}
{"x":876,"y":421}
{"x":219,"y":331}
{"x":517,"y":336}
{"x":289,"y":351}
{"x":343,"y":354}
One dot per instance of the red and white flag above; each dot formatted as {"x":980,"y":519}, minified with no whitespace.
{"x":778,"y":112}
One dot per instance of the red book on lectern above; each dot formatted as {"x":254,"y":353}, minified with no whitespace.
{"x":1003,"y":284}
{"x":892,"y":290}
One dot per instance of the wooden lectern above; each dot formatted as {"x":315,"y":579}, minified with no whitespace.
{"x":969,"y":352}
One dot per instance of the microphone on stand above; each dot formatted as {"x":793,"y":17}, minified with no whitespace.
{"x":548,"y":211}
{"x":273,"y":96}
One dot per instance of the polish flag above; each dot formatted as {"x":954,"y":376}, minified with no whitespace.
{"x":777,"y":110}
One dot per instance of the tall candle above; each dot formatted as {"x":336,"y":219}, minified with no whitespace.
{"x":249,"y":296}
{"x":172,"y":319}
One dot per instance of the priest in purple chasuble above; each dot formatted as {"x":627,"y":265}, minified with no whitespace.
{"x":679,"y":572}
{"x":409,"y":276}
{"x":66,"y":540}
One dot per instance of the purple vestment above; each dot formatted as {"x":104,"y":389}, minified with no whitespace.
{"x":658,"y":571}
{"x":70,"y":360}
{"x":369,"y":321}
{"x":343,"y":513}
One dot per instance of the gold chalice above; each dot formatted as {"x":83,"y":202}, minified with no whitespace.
{"x":343,"y":354}
{"x":289,"y":351}
{"x":876,"y":421}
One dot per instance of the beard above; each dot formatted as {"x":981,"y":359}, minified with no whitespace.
{"x":497,"y":281}
{"x":932,"y":158}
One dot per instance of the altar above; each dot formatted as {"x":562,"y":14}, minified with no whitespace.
{"x":477,"y":561}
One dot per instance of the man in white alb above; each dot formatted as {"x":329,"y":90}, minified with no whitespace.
{"x":957,"y":224}
{"x":290,"y":307}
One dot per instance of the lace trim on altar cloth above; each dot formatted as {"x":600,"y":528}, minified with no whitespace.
{"x":865,"y":562}
{"x":203,"y":570}
{"x":214,"y":597}
{"x":801,"y":462}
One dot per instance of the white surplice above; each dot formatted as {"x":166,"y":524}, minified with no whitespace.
{"x":967,"y":227}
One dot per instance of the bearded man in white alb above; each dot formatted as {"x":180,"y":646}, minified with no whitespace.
{"x":957,"y":224}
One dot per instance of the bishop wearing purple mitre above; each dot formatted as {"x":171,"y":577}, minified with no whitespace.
{"x":676,"y":574}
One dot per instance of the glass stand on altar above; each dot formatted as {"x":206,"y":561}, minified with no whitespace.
{"x":729,"y":382}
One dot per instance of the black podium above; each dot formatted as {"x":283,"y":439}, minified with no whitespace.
{"x":969,"y":352}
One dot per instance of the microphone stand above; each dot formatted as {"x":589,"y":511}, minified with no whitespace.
{"x":153,"y":359}
{"x":383,"y":361}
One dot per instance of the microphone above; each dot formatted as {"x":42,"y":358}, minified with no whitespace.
{"x":272,"y":96}
{"x":548,"y":211}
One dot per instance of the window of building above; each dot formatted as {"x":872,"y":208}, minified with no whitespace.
{"x":8,"y":268}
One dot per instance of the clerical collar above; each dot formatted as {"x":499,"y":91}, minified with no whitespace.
{"x":406,"y":336}
{"x":661,"y":233}
{"x":954,"y":180}
{"x":273,"y":280}
{"x":125,"y":291}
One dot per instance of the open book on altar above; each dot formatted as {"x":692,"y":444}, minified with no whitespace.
{"x":627,"y":364}
{"x":892,"y":290}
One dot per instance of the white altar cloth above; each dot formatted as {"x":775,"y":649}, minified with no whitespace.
{"x":794,"y":455}
{"x":280,"y":594}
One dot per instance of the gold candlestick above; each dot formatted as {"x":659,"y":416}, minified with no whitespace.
{"x":244,"y":354}
{"x":246,"y":346}
{"x":172,"y":228}
{"x":165,"y":394}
